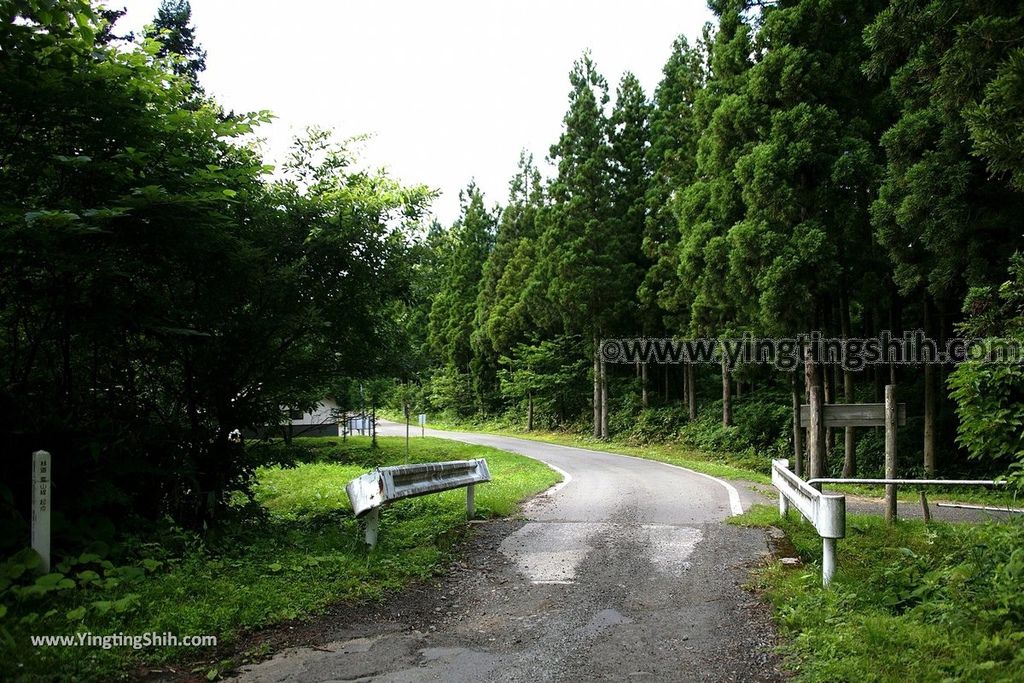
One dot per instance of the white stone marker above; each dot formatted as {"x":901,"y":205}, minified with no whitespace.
{"x":41,"y":507}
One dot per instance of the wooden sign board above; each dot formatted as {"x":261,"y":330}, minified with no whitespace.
{"x":855,"y":414}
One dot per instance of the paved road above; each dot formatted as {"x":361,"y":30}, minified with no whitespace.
{"x":625,"y":571}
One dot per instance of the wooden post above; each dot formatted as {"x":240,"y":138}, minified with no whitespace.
{"x":41,"y":474}
{"x":890,"y":452}
{"x":816,"y":433}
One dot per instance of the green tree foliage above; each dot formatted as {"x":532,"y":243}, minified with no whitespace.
{"x":159,"y":291}
{"x":508,"y":281}
{"x":544,"y":380}
{"x":990,"y":396}
{"x":172,"y":29}
{"x":944,"y":221}
{"x":807,"y":180}
{"x":672,"y":158}
{"x":453,"y":311}
{"x":581,"y":246}
{"x":711,"y":205}
{"x":629,"y":139}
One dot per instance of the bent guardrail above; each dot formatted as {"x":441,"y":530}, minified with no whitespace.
{"x":371,"y":491}
{"x":826,"y":512}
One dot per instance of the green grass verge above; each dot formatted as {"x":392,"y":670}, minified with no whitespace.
{"x":719,"y":465}
{"x":994,"y":496}
{"x":909,"y":602}
{"x":724,"y":465}
{"x":293,"y":553}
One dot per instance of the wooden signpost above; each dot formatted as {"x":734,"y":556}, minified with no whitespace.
{"x":816,"y":416}
{"x":854,"y":414}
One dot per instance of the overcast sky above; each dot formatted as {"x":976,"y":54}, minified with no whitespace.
{"x":450,"y":90}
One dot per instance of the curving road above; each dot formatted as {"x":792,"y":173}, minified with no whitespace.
{"x":624,"y":571}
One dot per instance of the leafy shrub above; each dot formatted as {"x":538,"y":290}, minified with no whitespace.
{"x":949,"y":595}
{"x":989,"y":396}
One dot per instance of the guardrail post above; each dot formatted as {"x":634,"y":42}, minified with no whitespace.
{"x":470,"y":501}
{"x":372,"y":525}
{"x":828,"y":560}
{"x":783,"y":502}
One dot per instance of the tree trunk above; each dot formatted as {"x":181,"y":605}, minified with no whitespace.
{"x":685,"y":393}
{"x":798,"y":441}
{"x":816,"y":433}
{"x":929,"y":399}
{"x":829,"y":396}
{"x":644,"y":398}
{"x":597,"y":390}
{"x":691,"y":392}
{"x":849,"y":437}
{"x":529,"y":413}
{"x":604,"y":402}
{"x":726,"y":396}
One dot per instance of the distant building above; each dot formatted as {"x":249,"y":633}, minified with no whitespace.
{"x":322,"y":421}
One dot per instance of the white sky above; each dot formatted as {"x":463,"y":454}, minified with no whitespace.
{"x":450,"y":90}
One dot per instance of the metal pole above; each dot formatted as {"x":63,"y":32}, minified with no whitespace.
{"x":372,"y":525}
{"x":828,"y":560}
{"x":470,"y":501}
{"x":890,"y":452}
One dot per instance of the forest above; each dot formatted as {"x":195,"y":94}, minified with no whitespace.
{"x":848,"y":167}
{"x":170,"y":295}
{"x":841,"y":167}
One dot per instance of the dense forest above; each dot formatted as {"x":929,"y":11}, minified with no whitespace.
{"x":160,"y":288}
{"x":846,"y":166}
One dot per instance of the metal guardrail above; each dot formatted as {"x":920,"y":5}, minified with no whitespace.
{"x":371,"y":491}
{"x":910,"y":482}
{"x":891,"y":483}
{"x":826,"y":512}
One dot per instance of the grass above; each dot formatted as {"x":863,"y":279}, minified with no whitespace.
{"x":909,"y":602}
{"x":993,"y":496}
{"x":292,"y":552}
{"x":725,"y":466}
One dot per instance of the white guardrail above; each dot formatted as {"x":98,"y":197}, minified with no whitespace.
{"x":371,"y":491}
{"x":826,"y":512}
